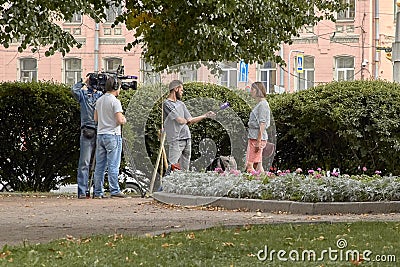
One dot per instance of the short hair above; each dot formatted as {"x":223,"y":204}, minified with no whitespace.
{"x":174,"y":84}
{"x":112,"y":84}
{"x":261,"y":91}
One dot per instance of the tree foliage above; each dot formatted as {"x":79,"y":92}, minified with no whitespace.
{"x":173,"y":32}
{"x":35,"y":23}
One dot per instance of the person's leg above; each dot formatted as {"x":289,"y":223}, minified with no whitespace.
{"x":174,"y":152}
{"x":249,"y":156}
{"x":186,"y":147}
{"x":86,"y":151}
{"x":259,"y":167}
{"x":114,"y":149}
{"x":101,"y":162}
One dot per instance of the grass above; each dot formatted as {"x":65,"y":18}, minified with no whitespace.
{"x":241,"y":246}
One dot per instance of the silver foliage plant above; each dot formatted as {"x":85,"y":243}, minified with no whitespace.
{"x":287,"y":186}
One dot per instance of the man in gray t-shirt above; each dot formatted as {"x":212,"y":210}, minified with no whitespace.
{"x":176,"y":121}
{"x":108,"y":114}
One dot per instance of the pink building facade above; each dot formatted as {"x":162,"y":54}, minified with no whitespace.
{"x":348,"y":49}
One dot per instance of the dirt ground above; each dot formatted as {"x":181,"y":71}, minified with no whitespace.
{"x":35,"y":218}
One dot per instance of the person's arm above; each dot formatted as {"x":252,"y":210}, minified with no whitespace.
{"x":120,"y":118}
{"x":259,"y":137}
{"x":209,"y":114}
{"x":76,"y":88}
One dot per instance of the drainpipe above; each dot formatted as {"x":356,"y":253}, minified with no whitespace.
{"x":96,"y":48}
{"x":376,"y":17}
{"x":281,"y":73}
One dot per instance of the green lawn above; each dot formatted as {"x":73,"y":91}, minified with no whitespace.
{"x":267,"y":245}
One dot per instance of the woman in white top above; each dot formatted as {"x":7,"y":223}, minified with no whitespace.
{"x":259,"y":122}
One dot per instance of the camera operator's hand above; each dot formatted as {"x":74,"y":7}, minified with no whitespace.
{"x":86,"y":80}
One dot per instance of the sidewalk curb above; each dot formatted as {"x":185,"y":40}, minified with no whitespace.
{"x":293,"y":207}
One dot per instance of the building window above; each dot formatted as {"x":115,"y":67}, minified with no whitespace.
{"x":112,"y":13}
{"x":305,"y":80}
{"x":344,"y":68}
{"x":112,"y":64}
{"x":77,"y":31}
{"x":28,"y":67}
{"x":117,"y":31}
{"x":149,"y":76}
{"x":268,"y":76}
{"x":107,"y":31}
{"x":349,"y":12}
{"x":72,"y":70}
{"x":187,"y":74}
{"x":228,"y":77}
{"x":76,"y":18}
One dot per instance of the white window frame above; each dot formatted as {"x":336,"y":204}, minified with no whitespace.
{"x":187,"y":74}
{"x":147,"y":74}
{"x":76,"y":19}
{"x":349,"y":13}
{"x":112,"y":13}
{"x":72,"y":75}
{"x":229,"y":74}
{"x":346,"y":71}
{"x":110,"y":60}
{"x":28,"y":74}
{"x":306,"y":79}
{"x":270,"y":69}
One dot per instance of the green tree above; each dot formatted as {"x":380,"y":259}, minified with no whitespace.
{"x":173,"y":32}
{"x":35,"y":23}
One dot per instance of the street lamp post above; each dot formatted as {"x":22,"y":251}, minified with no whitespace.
{"x":396,"y":47}
{"x":289,"y":66}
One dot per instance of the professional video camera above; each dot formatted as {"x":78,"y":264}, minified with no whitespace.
{"x":98,"y":80}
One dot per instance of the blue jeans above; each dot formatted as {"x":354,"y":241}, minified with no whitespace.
{"x":108,"y":155}
{"x":87,"y":147}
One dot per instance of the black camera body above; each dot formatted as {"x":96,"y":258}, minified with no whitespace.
{"x":98,"y":80}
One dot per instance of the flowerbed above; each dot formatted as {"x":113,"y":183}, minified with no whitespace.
{"x":314,"y":187}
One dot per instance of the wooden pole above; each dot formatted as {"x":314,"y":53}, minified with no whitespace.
{"x":160,"y":153}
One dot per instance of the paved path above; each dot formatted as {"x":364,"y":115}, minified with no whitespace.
{"x":41,"y":218}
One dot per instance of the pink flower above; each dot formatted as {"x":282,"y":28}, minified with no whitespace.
{"x":299,"y":170}
{"x":310,"y":171}
{"x":319,"y":169}
{"x":364,"y":169}
{"x":318,"y":176}
{"x":378,"y":172}
{"x":235,"y":172}
{"x":219,"y":170}
{"x":269,"y":174}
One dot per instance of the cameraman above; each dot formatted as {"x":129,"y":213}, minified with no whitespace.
{"x":87,"y":96}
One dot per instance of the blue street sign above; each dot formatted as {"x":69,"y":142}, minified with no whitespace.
{"x":243,"y":72}
{"x":300,"y":61}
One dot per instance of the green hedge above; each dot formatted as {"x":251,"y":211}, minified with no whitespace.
{"x":343,"y":125}
{"x":39,"y":135}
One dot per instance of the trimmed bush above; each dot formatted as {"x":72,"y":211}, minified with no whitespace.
{"x":346,"y":125}
{"x":39,"y":135}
